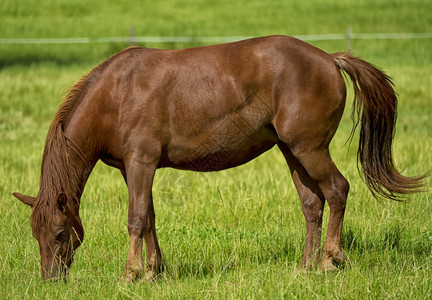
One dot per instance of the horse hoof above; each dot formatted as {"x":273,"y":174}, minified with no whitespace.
{"x":331,"y":264}
{"x":328,"y":266}
{"x":132,"y":275}
{"x":150,"y":276}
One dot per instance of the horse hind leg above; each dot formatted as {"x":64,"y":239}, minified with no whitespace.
{"x":334,"y":187}
{"x":312,"y":201}
{"x":314,"y":166}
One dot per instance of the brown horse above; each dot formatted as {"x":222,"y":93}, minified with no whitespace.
{"x":208,"y":109}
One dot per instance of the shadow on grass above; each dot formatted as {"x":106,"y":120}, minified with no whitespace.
{"x":63,"y":55}
{"x":60,"y":55}
{"x":391,"y":237}
{"x":27,"y":60}
{"x":387,"y":243}
{"x":228,"y":262}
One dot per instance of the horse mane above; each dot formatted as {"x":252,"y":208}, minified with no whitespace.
{"x":58,"y":176}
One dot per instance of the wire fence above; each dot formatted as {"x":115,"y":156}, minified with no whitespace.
{"x":207,"y":39}
{"x":349,"y":36}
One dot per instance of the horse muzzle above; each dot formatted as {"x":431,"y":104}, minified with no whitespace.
{"x":55,"y":273}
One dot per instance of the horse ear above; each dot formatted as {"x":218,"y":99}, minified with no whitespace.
{"x":29,"y":200}
{"x":61,"y":202}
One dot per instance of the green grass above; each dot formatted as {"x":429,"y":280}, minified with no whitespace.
{"x":232,"y":234}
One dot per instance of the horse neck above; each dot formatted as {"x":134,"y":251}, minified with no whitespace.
{"x":65,"y":169}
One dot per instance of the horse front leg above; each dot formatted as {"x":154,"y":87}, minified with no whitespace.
{"x":153,"y":253}
{"x":141,"y":222}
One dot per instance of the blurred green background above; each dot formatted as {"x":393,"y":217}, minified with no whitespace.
{"x":235,"y":234}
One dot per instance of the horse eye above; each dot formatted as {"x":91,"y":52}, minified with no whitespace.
{"x":59,"y":235}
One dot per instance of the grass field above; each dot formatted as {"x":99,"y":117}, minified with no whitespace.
{"x":238,"y":233}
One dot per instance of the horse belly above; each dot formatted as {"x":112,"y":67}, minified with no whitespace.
{"x":227,"y":146}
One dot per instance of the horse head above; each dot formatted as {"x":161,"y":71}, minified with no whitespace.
{"x":58,"y":236}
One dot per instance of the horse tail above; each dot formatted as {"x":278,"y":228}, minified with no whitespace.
{"x":375,"y":107}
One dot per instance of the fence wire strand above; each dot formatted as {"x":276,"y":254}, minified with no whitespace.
{"x":208,"y":39}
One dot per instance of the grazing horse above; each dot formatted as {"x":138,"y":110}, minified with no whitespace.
{"x":207,"y":109}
